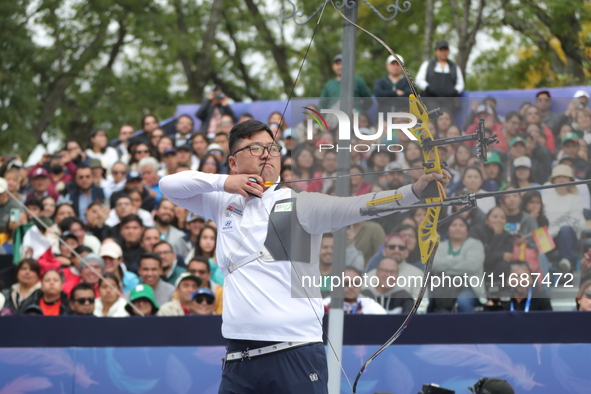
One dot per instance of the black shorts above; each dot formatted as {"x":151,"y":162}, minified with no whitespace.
{"x":293,"y":371}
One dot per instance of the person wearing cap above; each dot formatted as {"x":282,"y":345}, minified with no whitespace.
{"x":517,"y":147}
{"x":91,"y":266}
{"x":203,"y":302}
{"x":553,"y":120}
{"x":170,"y":268}
{"x":392,"y":85}
{"x":493,"y":167}
{"x":194,"y":223}
{"x":83,"y":192}
{"x":200,"y":267}
{"x":211,"y":111}
{"x":440,"y":77}
{"x":170,"y":162}
{"x":112,"y":255}
{"x":184,"y":155}
{"x":580,"y":100}
{"x":332,"y":89}
{"x":98,"y":148}
{"x":258,"y":302}
{"x":522,"y":173}
{"x":142,"y":297}
{"x":564,"y":211}
{"x":218,"y":152}
{"x":39,"y":178}
{"x":492,"y":386}
{"x":186,"y":284}
{"x":570,"y":147}
{"x":6,"y":206}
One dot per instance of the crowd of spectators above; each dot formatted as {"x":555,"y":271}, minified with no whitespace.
{"x":98,"y":237}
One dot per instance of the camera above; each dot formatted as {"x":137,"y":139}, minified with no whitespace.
{"x":219,"y":96}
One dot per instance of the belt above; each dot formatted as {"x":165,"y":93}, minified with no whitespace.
{"x":248,"y":354}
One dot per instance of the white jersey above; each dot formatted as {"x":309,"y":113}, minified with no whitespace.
{"x":258,"y":296}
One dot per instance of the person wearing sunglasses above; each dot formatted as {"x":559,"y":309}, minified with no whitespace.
{"x":259,"y":311}
{"x":203,"y":302}
{"x":82,"y":300}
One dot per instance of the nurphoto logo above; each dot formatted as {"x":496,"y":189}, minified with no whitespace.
{"x":344,"y":129}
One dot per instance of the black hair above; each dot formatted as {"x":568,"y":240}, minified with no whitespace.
{"x":67,"y":222}
{"x":131,"y":218}
{"x":246,"y":129}
{"x":52,"y":270}
{"x":147,"y":116}
{"x":526,"y":198}
{"x":198,"y":250}
{"x":246,"y":115}
{"x":162,"y":242}
{"x":94,"y":203}
{"x":204,"y":159}
{"x":327,"y":235}
{"x":72,"y":140}
{"x":33,"y":266}
{"x":186,"y":116}
{"x":92,"y":135}
{"x":33,"y":201}
{"x":513,"y":114}
{"x":81,"y":286}
{"x":82,"y":249}
{"x":203,"y":260}
{"x":149,"y":255}
{"x":120,"y":196}
{"x":81,"y":167}
{"x":519,"y":263}
{"x":110,"y":275}
{"x":543,"y":92}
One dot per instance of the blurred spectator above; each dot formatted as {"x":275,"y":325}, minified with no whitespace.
{"x":367,"y":237}
{"x":170,"y":268}
{"x":325,"y":263}
{"x":522,"y":174}
{"x":551,"y":119}
{"x":112,"y":256}
{"x":377,"y":163}
{"x":358,"y":186}
{"x":84,"y":191}
{"x":149,"y":124}
{"x":304,"y":168}
{"x":353,"y":303}
{"x":132,"y":229}
{"x":121,"y":143}
{"x":185,"y":285}
{"x":110,"y":303}
{"x":199,"y":143}
{"x":150,"y":271}
{"x":148,"y":168}
{"x":409,"y":230}
{"x":218,"y":152}
{"x":392,"y":85}
{"x":443,"y":123}
{"x":226,"y":124}
{"x":532,"y":204}
{"x":277,"y":118}
{"x":124,"y":206}
{"x":150,"y":237}
{"x":211,"y":111}
{"x":75,"y":152}
{"x":184,"y":155}
{"x":49,"y":205}
{"x":498,"y":243}
{"x":329,"y":168}
{"x":28,"y":274}
{"x":164,"y":216}
{"x":155,"y":139}
{"x":41,"y":185}
{"x":472,"y":181}
{"x":244,"y":116}
{"x":582,"y":124}
{"x":209,"y":164}
{"x":135,"y":182}
{"x":82,"y":300}
{"x":458,"y":256}
{"x":71,"y":274}
{"x":571,"y":146}
{"x":98,"y":149}
{"x":396,"y":248}
{"x":223,"y":141}
{"x":580,"y":101}
{"x":138,"y":152}
{"x":332,"y":91}
{"x":164,"y":145}
{"x":199,"y":266}
{"x":13,"y":181}
{"x":118,"y":178}
{"x":583,"y":298}
{"x":205,"y":246}
{"x":203,"y":302}
{"x":494,"y":170}
{"x":142,"y":297}
{"x":512,"y":126}
{"x":184,"y":128}
{"x":525,"y":298}
{"x":565,"y":214}
{"x":532,"y":115}
{"x":519,"y":223}
{"x":389,"y":296}
{"x":50,"y":297}
{"x":92,"y":267}
{"x":95,"y":220}
{"x":440,"y":77}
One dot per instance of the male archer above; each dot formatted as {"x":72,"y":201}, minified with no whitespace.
{"x":265,"y":236}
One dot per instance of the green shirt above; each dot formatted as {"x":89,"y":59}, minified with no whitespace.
{"x":332,"y":92}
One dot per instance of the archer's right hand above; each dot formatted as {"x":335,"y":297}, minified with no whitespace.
{"x":239,"y":184}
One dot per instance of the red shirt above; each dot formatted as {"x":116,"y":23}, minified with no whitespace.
{"x":50,"y":309}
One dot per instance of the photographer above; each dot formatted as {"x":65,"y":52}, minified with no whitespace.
{"x":211,"y":111}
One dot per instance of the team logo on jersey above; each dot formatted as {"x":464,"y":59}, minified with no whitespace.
{"x":286,"y":207}
{"x":227,"y":226}
{"x":232,"y":209}
{"x":314,"y":377}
